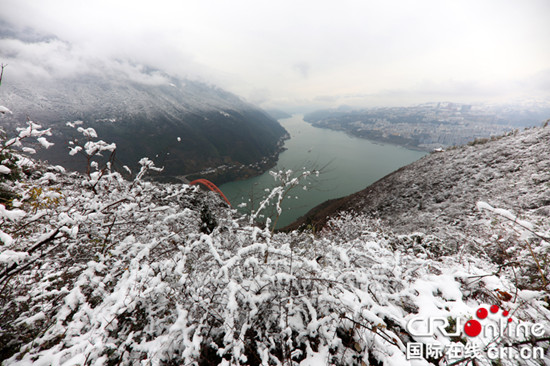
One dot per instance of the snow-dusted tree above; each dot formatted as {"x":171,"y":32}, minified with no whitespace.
{"x":270,"y":207}
{"x":12,"y":162}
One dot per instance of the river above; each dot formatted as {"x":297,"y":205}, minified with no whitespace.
{"x":348,"y":164}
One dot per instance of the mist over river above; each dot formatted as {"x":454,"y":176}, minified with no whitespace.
{"x":348,"y":164}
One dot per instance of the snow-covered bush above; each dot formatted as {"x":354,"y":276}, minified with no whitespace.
{"x":125,"y":275}
{"x":520,"y":247}
{"x":11,"y":161}
{"x":271,"y":205}
{"x":99,"y":270}
{"x":133,"y":278}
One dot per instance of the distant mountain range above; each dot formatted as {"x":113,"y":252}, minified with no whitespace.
{"x":432,"y":125}
{"x":183,"y":125}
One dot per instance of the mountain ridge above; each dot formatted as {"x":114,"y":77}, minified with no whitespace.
{"x":442,"y":188}
{"x":431,"y":126}
{"x":188,"y":126}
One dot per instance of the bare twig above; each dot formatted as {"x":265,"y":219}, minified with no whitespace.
{"x":114,"y":204}
{"x":107,"y":235}
{"x":542,"y":276}
{"x":13,"y":269}
{"x":518,"y":222}
{"x":2,"y":67}
{"x":375,"y":330}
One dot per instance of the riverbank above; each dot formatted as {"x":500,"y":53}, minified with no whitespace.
{"x":348,"y":164}
{"x":238,"y":172}
{"x":230,"y":172}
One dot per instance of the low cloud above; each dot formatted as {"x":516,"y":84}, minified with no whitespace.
{"x":54,"y":58}
{"x":302,"y":68}
{"x":541,"y":81}
{"x":321,"y":53}
{"x":259,"y":96}
{"x":326,"y":98}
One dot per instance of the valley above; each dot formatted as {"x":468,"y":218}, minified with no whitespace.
{"x":371,"y":183}
{"x":347,"y":164}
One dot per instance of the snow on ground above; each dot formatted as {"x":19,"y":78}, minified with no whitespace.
{"x":437,"y":195}
{"x":99,"y":270}
{"x":4,"y":110}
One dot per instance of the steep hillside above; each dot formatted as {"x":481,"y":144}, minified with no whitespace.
{"x":185,"y":126}
{"x":438,"y":194}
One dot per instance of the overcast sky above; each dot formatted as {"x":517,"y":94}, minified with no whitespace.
{"x":295,"y":53}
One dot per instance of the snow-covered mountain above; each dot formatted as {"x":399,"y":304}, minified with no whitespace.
{"x":437,"y":194}
{"x":186,"y":126}
{"x":431,"y":126}
{"x":99,"y":270}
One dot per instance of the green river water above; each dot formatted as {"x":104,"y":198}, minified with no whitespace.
{"x":347,"y":164}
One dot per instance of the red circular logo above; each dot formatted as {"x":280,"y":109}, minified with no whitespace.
{"x":472,"y":328}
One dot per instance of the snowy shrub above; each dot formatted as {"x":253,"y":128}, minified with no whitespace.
{"x":125,"y":275}
{"x":285,"y":182}
{"x":521,"y":246}
{"x":99,"y":270}
{"x":148,"y":285}
{"x":12,"y":163}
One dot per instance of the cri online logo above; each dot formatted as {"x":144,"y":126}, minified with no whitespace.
{"x":473,"y":328}
{"x":493,"y":325}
